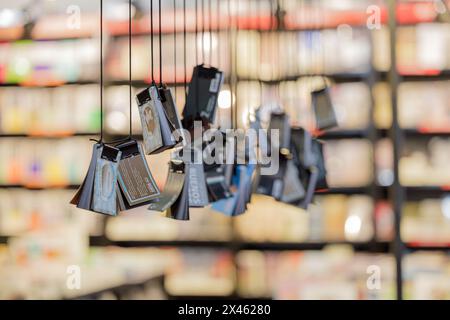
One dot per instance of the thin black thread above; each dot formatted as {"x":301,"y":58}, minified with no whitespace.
{"x":218,"y":32}
{"x":260,"y":27}
{"x":184,"y":49}
{"x":236,"y":57}
{"x":160,"y":47}
{"x":129,"y":66}
{"x":175,"y":47}
{"x":196,"y":32}
{"x":203,"y":31}
{"x":101,"y":71}
{"x":151,"y":43}
{"x":230,"y":40}
{"x":210,"y":31}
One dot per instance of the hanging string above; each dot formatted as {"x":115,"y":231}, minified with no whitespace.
{"x":129,"y":67}
{"x":210,"y":30}
{"x":152,"y":71}
{"x":101,"y":71}
{"x":273,"y":22}
{"x":260,"y":29}
{"x":175,"y":47}
{"x":218,"y":32}
{"x":203,"y":31}
{"x":196,"y":32}
{"x":101,"y":141}
{"x":184,"y":49}
{"x":237,"y":22}
{"x":160,"y":46}
{"x":230,"y":41}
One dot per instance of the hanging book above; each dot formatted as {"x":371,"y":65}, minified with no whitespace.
{"x":172,"y":115}
{"x":323,"y":109}
{"x":179,"y":210}
{"x":273,"y":185}
{"x":136,"y":183}
{"x":98,"y":190}
{"x":175,"y":182}
{"x":309,"y":161}
{"x":202,"y":96}
{"x":157,"y":126}
{"x":317,"y":148}
{"x":217,"y":184}
{"x":198,"y":193}
{"x":236,"y":203}
{"x":83,"y":197}
{"x":293,"y":191}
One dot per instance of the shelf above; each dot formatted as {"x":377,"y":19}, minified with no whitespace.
{"x":382,"y":247}
{"x":344,"y":134}
{"x":39,"y":187}
{"x":432,"y":76}
{"x":336,"y":77}
{"x":47,"y":136}
{"x":421,"y":192}
{"x":101,"y":241}
{"x":344,"y":190}
{"x":54,"y":84}
{"x":117,"y":290}
{"x":428,"y":247}
{"x":425,"y":133}
{"x":237,"y":245}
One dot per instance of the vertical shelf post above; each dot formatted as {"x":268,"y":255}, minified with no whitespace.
{"x":396,"y":190}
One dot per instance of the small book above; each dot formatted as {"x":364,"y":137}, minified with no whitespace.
{"x":171,"y":113}
{"x":293,"y":191}
{"x":179,"y":210}
{"x":105,"y":180}
{"x":198,"y":193}
{"x":174,"y":186}
{"x":136,"y":183}
{"x":273,"y":185}
{"x":323,"y":109}
{"x":203,"y":92}
{"x":98,"y":192}
{"x":310,"y":164}
{"x":236,"y":203}
{"x":83,"y":197}
{"x":159,"y":120}
{"x":317,"y":149}
{"x":217,"y":184}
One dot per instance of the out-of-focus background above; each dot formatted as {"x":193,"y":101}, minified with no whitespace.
{"x":365,"y":237}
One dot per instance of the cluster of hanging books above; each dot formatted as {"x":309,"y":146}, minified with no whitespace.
{"x":119,"y":179}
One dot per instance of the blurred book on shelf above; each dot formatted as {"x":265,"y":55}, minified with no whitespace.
{"x":201,"y":273}
{"x":50,"y":111}
{"x":38,"y":163}
{"x":425,"y":162}
{"x":22,"y":211}
{"x":426,"y":222}
{"x":349,"y":162}
{"x":427,"y":276}
{"x":422,"y":49}
{"x":49,"y":62}
{"x":425,"y":106}
{"x":333,"y":273}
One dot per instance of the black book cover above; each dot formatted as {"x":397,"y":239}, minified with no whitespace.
{"x":323,"y":109}
{"x":201,"y":103}
{"x":83,"y":197}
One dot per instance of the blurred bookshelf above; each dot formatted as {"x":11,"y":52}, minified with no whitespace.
{"x":360,"y":149}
